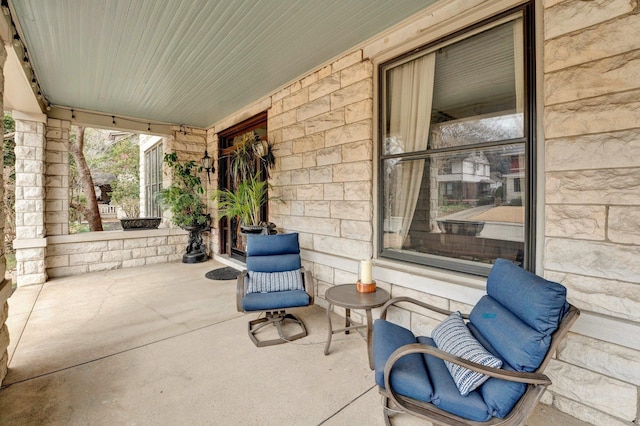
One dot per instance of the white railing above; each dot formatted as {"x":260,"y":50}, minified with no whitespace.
{"x":107,"y":211}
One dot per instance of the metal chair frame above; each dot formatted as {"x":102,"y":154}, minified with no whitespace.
{"x":536,"y":381}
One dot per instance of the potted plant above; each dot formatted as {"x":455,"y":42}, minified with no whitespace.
{"x":244,"y":203}
{"x":183,"y":199}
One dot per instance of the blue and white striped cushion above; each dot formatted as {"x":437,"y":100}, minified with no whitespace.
{"x":453,"y":336}
{"x":267,"y":282}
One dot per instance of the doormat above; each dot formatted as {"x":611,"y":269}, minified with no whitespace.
{"x":223,"y":274}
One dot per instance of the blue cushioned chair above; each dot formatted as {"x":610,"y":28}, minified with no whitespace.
{"x":273,"y":281}
{"x":521,"y":320}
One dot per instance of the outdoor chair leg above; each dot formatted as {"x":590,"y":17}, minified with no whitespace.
{"x":277,"y":319}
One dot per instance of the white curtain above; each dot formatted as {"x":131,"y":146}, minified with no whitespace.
{"x":410,"y":98}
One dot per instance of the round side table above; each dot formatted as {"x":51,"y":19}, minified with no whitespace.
{"x":346,"y":296}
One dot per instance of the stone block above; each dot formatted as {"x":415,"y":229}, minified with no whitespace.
{"x":603,"y":393}
{"x":422,"y":325}
{"x":166,"y":250}
{"x":281,"y":120}
{"x":574,"y":15}
{"x":579,"y":222}
{"x":143,"y":252}
{"x":317,"y":209}
{"x":347,"y":248}
{"x":357,"y":151}
{"x":66,"y":271}
{"x":610,"y":38}
{"x":26,"y":126}
{"x":319,"y":226}
{"x":347,"y":60}
{"x":75,"y":248}
{"x":308,"y":143}
{"x":355,"y":73}
{"x":332,"y":155}
{"x":360,"y":131}
{"x":323,"y":273}
{"x":309,"y":192}
{"x":57,"y":146}
{"x":610,"y":75}
{"x":154,"y":260}
{"x":279,"y":178}
{"x":320,"y":174}
{"x":283,"y":149}
{"x":359,"y":111}
{"x":134,"y":243}
{"x":594,"y":259}
{"x":85,"y":258}
{"x":300,"y":177}
{"x":156,"y":241}
{"x":324,"y":87}
{"x":57,"y":261}
{"x":399,"y":316}
{"x":610,"y":297}
{"x":27,"y":254}
{"x":351,"y":94}
{"x":585,"y":412}
{"x":309,"y":159}
{"x":611,"y":360}
{"x":594,"y":151}
{"x":276,"y":108}
{"x":594,"y":115}
{"x":281,"y":94}
{"x":624,"y":224}
{"x":326,"y":121}
{"x":334,"y":191}
{"x":296,"y":99}
{"x":296,"y":208}
{"x":54,"y":122}
{"x":356,"y":230}
{"x":605,"y":186}
{"x":357,"y":191}
{"x":291,"y":162}
{"x":293,"y":131}
{"x":178,"y":240}
{"x":313,"y":108}
{"x":115,"y":245}
{"x":104,"y":266}
{"x":308,"y":80}
{"x":116,"y":256}
{"x":356,"y":210}
{"x":352,"y":172}
{"x":139,"y":262}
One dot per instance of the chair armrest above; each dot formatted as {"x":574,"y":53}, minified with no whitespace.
{"x":309,"y":284}
{"x":241,"y":289}
{"x":512,"y":376}
{"x":395,"y":300}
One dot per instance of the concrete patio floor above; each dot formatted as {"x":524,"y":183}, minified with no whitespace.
{"x":164,"y":345}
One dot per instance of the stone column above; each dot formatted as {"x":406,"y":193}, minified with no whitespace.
{"x":56,"y":180}
{"x":30,"y":243}
{"x":5,"y":285}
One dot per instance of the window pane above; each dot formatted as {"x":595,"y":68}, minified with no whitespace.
{"x":464,"y":205}
{"x":464,"y":93}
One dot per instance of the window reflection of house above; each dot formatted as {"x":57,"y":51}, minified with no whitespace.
{"x":465,"y":178}
{"x":514,"y":179}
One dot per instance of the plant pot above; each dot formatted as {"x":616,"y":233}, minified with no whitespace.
{"x":138,"y":223}
{"x":461,"y":227}
{"x":252,"y":229}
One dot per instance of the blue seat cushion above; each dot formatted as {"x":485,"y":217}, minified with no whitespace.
{"x":499,"y":395}
{"x":276,"y":300}
{"x":446,"y":395}
{"x":453,"y":336}
{"x":409,"y":375}
{"x":266,"y":282}
{"x":518,"y":344}
{"x":539,"y":303}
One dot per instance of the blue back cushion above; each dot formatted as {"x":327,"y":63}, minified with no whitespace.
{"x":539,"y":303}
{"x":273,"y":253}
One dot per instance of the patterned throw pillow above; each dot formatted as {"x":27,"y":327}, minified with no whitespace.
{"x":453,"y":336}
{"x":267,"y":282}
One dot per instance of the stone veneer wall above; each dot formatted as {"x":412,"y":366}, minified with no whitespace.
{"x":5,"y":285}
{"x":592,"y":217}
{"x":321,"y":127}
{"x":100,"y":251}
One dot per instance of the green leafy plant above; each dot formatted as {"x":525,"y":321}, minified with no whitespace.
{"x":183,"y":197}
{"x":245,"y":202}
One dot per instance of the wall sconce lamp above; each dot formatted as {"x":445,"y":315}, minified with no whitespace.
{"x":207,"y":165}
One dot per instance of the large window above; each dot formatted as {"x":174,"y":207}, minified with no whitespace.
{"x":456,"y":149}
{"x":153,"y":181}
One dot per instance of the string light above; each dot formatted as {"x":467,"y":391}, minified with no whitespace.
{"x":113,"y":119}
{"x":148,"y":127}
{"x":34,"y":82}
{"x":16,"y":40}
{"x":73,"y":114}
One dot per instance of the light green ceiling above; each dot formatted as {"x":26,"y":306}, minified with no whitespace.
{"x":190,"y":62}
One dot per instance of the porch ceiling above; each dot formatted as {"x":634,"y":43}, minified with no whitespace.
{"x":191,"y":62}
